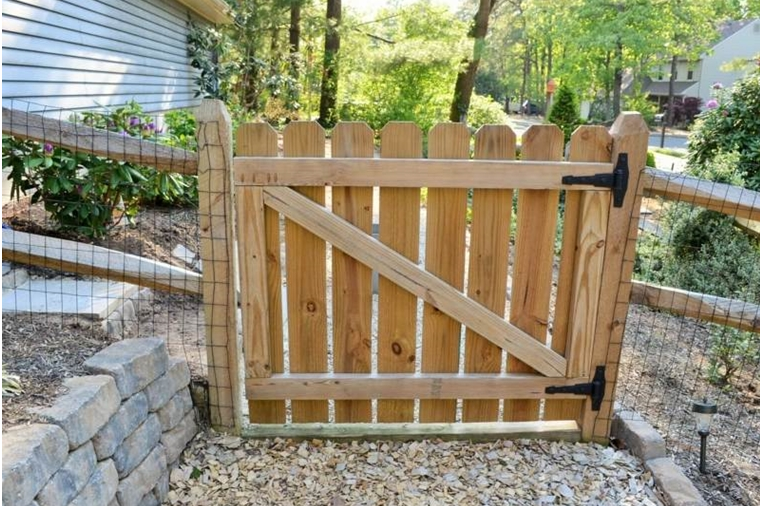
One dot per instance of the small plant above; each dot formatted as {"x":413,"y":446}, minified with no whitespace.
{"x":650,"y":160}
{"x":88,"y":194}
{"x":729,"y":350}
{"x":564,"y":112}
{"x":11,"y":384}
{"x":485,"y":111}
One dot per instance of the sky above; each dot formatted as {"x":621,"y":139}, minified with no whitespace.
{"x":370,"y":7}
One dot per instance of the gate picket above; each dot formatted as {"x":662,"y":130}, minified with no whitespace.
{"x":260,"y":139}
{"x":444,"y":257}
{"x":489,"y":259}
{"x":305,"y":264}
{"x":397,"y":308}
{"x":534,"y":257}
{"x":588,"y":144}
{"x":352,"y":280}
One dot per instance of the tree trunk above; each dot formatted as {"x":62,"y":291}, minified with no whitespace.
{"x":294,"y":56}
{"x":328,"y":115}
{"x":618,"y":84}
{"x":671,"y":98}
{"x":466,"y":78}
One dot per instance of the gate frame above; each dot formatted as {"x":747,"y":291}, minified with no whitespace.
{"x":629,"y":134}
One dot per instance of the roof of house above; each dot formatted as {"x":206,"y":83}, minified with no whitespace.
{"x":729,"y":28}
{"x":214,"y":11}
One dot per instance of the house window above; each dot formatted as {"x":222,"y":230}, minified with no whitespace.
{"x":690,"y":75}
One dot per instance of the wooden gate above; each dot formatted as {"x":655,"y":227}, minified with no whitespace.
{"x":494,"y":322}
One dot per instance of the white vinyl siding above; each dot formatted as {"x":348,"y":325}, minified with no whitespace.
{"x":87,"y":54}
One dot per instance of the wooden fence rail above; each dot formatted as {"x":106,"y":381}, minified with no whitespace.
{"x":84,"y":139}
{"x":723,"y":198}
{"x":722,"y":311}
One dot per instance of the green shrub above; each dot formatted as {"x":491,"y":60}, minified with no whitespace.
{"x":88,"y":194}
{"x":485,"y":111}
{"x":732,"y":126}
{"x":564,"y":112}
{"x":640,"y":102}
{"x":650,"y":160}
{"x":729,"y":350}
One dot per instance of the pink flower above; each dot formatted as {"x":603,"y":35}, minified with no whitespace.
{"x":711,"y":104}
{"x":48,"y":149}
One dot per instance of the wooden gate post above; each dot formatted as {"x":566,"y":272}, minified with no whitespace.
{"x":219,"y":270}
{"x":630,"y":135}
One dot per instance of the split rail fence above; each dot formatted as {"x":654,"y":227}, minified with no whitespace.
{"x":281,"y":227}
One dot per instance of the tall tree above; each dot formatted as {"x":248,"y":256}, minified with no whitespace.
{"x":466,"y":78}
{"x":328,"y":114}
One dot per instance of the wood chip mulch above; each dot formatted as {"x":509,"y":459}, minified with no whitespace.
{"x":222,"y":470}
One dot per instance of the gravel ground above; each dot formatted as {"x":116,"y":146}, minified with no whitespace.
{"x":222,"y":470}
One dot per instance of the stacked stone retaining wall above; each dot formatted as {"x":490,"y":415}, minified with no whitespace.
{"x":112,"y":439}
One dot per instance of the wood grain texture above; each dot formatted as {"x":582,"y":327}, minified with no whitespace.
{"x":410,"y":173}
{"x":444,"y":258}
{"x":533,"y":259}
{"x":352,"y":280}
{"x":397,"y":308}
{"x":592,"y":144}
{"x":546,"y":431}
{"x":306,"y":277}
{"x":630,"y":135}
{"x":489,"y":259}
{"x":416,"y":280}
{"x":83,"y":139}
{"x":708,"y":308}
{"x":217,"y":237}
{"x":406,"y":386}
{"x":723,"y":198}
{"x":260,"y":139}
{"x":89,"y":260}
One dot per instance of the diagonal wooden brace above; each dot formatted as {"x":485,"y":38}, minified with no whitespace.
{"x":414,"y":279}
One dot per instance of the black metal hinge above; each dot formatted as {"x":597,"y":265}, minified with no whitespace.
{"x":617,"y":180}
{"x":595,"y":389}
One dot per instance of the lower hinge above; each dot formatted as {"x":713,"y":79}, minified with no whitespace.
{"x":595,"y":389}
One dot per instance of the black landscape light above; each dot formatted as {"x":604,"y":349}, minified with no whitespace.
{"x":703,"y":413}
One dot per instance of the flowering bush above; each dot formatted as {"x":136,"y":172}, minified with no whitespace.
{"x":88,"y":194}
{"x":731,"y":126}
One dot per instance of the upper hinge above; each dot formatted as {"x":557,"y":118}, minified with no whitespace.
{"x":594,"y":389}
{"x":617,"y":180}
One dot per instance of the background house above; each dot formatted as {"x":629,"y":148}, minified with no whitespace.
{"x":68,"y":54}
{"x":739,"y":40}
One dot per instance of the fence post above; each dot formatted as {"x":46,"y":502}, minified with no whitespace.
{"x":219,"y":270}
{"x":630,"y":135}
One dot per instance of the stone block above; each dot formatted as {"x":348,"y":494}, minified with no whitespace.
{"x":84,"y":409}
{"x":134,"y":487}
{"x":68,"y":296}
{"x":13,"y":277}
{"x":137,"y":446}
{"x":160,"y":391}
{"x":175,"y":410}
{"x":69,"y":481}
{"x":131,"y":414}
{"x":176,"y":439}
{"x":673,"y":484}
{"x":31,"y":455}
{"x":161,"y":490}
{"x":101,"y":488}
{"x":133,"y":363}
{"x":640,"y":437}
{"x":149,"y":500}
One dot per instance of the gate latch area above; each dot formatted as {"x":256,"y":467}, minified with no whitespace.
{"x":617,"y":180}
{"x":595,"y":389}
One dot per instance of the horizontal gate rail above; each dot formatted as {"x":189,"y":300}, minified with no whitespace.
{"x":416,"y":280}
{"x":565,"y":430}
{"x":413,"y":173}
{"x":406,"y":386}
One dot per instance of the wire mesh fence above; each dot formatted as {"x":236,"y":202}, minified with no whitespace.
{"x":692,"y":331}
{"x":101,"y":241}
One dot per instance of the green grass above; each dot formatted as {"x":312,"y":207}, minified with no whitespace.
{"x":676,"y":153}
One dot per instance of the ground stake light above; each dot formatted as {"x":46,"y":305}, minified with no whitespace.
{"x":703,"y":413}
